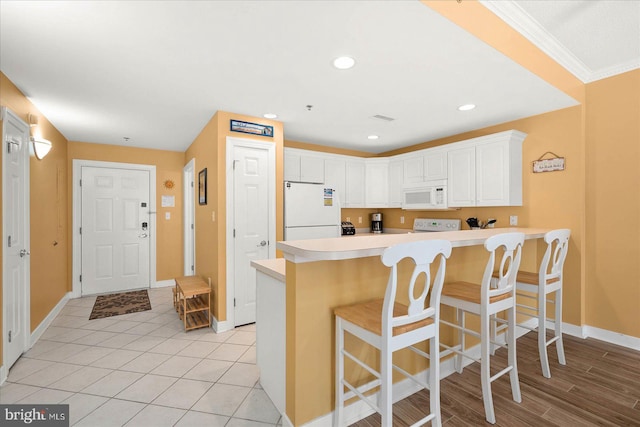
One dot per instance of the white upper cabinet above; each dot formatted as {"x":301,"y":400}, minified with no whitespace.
{"x":291,"y":165}
{"x":355,"y":184}
{"x":461,"y":184}
{"x":435,"y":164}
{"x":377,"y":183}
{"x":396,"y":179}
{"x":414,"y":170}
{"x":426,"y":165}
{"x":303,"y":166}
{"x":335,"y":176}
{"x":486,"y":171}
{"x":311,"y":169}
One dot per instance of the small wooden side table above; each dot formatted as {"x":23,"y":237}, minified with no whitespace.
{"x":193,"y":300}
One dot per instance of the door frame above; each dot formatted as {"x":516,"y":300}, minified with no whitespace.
{"x":189,"y":217}
{"x":77,"y":214}
{"x":232,"y":143}
{"x":8,"y":115}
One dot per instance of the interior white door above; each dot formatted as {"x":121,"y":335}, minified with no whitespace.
{"x":115,"y":229}
{"x":251,"y":226}
{"x":15,"y":265}
{"x":188,"y":180}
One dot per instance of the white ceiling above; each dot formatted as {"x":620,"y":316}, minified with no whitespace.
{"x":156,"y":72}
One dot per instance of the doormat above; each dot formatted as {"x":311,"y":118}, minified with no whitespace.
{"x":120,"y":303}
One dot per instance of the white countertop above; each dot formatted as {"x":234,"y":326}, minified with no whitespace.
{"x":333,"y":249}
{"x":272,"y":267}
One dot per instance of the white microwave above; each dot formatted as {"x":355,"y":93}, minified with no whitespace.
{"x":425,"y":195}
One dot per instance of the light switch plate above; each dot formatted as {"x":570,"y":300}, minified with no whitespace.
{"x":513,"y":220}
{"x":167,"y":215}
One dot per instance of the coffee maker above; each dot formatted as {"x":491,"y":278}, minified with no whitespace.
{"x":376,"y":223}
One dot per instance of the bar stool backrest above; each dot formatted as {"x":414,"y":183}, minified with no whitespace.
{"x":509,"y":265}
{"x":423,"y":254}
{"x":553,"y":261}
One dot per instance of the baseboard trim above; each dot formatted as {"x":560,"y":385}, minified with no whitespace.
{"x":219,"y":326}
{"x":610,"y":337}
{"x":163,"y":284}
{"x":46,"y":322}
{"x":3,"y":374}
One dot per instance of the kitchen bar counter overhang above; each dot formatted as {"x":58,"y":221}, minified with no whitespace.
{"x":335,"y":249}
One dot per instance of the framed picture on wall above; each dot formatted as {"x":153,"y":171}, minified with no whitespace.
{"x":202,"y":187}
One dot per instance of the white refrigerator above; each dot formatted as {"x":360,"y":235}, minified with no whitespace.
{"x":311,"y":211}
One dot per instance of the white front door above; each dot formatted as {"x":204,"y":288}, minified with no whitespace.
{"x":15,"y":263}
{"x":115,"y":229}
{"x":251,"y":226}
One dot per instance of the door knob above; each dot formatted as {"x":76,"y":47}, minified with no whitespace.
{"x":24,"y":252}
{"x":263,"y":243}
{"x":143,"y":235}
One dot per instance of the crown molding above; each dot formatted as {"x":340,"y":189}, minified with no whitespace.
{"x":511,"y":13}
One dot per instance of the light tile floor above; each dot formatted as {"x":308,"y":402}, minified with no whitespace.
{"x":142,"y":369}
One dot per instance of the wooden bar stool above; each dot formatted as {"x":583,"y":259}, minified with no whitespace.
{"x":538,"y":286}
{"x":485,"y":301}
{"x":390,"y":326}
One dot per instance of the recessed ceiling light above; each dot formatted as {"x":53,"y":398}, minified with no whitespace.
{"x":467,"y":107}
{"x":344,"y":62}
{"x":270,"y":116}
{"x":373,"y":137}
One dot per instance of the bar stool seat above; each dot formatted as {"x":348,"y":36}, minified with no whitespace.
{"x":389,"y":326}
{"x":369,"y":316}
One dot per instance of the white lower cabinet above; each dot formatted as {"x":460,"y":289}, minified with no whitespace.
{"x":486,"y":171}
{"x":376,"y":183}
{"x":355,"y":184}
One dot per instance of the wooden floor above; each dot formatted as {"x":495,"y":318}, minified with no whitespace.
{"x":600,"y":385}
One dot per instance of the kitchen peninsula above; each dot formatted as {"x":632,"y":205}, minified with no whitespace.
{"x":326,"y":273}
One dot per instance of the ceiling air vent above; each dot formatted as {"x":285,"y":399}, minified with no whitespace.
{"x":381,"y":117}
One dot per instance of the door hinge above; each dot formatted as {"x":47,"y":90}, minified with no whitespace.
{"x":234,"y":302}
{"x":80,"y":183}
{"x":192,"y":226}
{"x":9,"y":336}
{"x":192,"y":269}
{"x":191,"y":184}
{"x":9,"y":241}
{"x":81,"y":277}
{"x":80,"y":230}
{"x":234,"y":232}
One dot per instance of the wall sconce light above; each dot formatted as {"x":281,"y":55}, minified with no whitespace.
{"x":41,"y":147}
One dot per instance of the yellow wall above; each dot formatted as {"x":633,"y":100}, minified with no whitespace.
{"x":209,"y":151}
{"x":49,"y":239}
{"x":613,"y":204}
{"x":169,"y":254}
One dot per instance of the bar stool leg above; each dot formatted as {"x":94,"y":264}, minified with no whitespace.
{"x":434,"y":380}
{"x":460,"y":318}
{"x":386,"y":388}
{"x":485,"y":368}
{"x":512,"y":359}
{"x":338,"y":412}
{"x":542,"y":333}
{"x":558,"y":327}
